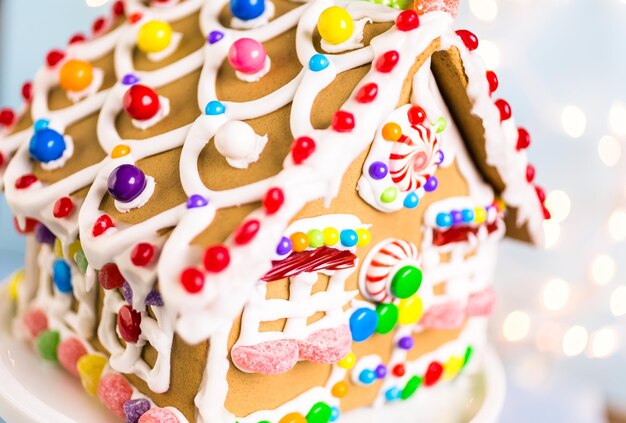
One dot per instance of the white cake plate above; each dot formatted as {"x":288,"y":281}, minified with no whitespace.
{"x":33,"y":391}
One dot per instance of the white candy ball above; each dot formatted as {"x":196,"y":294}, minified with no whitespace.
{"x":236,"y":140}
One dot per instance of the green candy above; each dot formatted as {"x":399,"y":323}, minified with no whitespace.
{"x":47,"y":344}
{"x":406,"y":282}
{"x":411,"y":387}
{"x":387,"y":318}
{"x":320,"y":413}
{"x":389,"y":195}
{"x":441,"y":125}
{"x":316,"y":238}
{"x":469,"y":351}
{"x":81,"y":261}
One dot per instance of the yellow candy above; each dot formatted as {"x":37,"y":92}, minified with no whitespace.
{"x":335,"y":25}
{"x":347,"y":362}
{"x":293,"y":418}
{"x":90,"y":367}
{"x":331,"y":237}
{"x":58,"y":248}
{"x":480,"y":215}
{"x":452,"y":367}
{"x":76,"y":75}
{"x":154,"y":36}
{"x":120,"y":151}
{"x":364,"y":237}
{"x":14,"y":284}
{"x":410,"y":310}
{"x":74,"y":248}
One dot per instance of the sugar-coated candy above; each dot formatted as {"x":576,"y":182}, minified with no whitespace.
{"x":319,"y":413}
{"x":43,"y":235}
{"x":267,"y":358}
{"x":90,"y":367}
{"x":448,"y":6}
{"x":135,"y":408}
{"x":445,"y":316}
{"x":110,"y":277}
{"x":36,"y":322}
{"x":113,"y":392}
{"x":363,"y":323}
{"x":326,"y":346}
{"x":69,"y":352}
{"x":481,"y":303}
{"x":154,"y":299}
{"x":158,"y":415}
{"x":47,"y":344}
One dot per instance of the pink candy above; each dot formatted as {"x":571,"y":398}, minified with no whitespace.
{"x":326,"y":346}
{"x":481,"y":303}
{"x":69,"y":351}
{"x":158,"y":415}
{"x":448,"y":6}
{"x":268,"y":358}
{"x":247,"y":56}
{"x":36,"y":322}
{"x":444,"y":316}
{"x":113,"y":392}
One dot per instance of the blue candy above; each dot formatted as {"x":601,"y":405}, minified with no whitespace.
{"x":214,"y":108}
{"x":318,"y":62}
{"x":363,"y":324}
{"x":47,"y":145}
{"x":367,"y":376}
{"x":247,"y":9}
{"x":444,"y":220}
{"x":468,"y":215}
{"x":62,"y":276}
{"x":41,"y":124}
{"x":349,"y":238}
{"x":392,"y":394}
{"x":411,"y":201}
{"x":334,"y":414}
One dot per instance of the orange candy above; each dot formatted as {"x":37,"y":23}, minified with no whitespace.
{"x":300,"y":241}
{"x":120,"y":150}
{"x":75,"y":75}
{"x":340,"y":389}
{"x":392,"y":131}
{"x":293,"y":418}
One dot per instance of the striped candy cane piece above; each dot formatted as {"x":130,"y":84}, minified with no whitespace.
{"x":413,"y":158}
{"x":381,"y":266}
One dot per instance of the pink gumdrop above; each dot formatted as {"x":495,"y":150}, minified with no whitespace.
{"x":36,"y":322}
{"x":158,"y":415}
{"x":69,"y":351}
{"x":113,"y":392}
{"x":267,"y":358}
{"x":481,"y":303}
{"x":326,"y":346}
{"x":444,"y":316}
{"x":247,"y":56}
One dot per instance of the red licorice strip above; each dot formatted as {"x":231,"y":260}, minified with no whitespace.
{"x":310,"y":261}
{"x":458,"y":234}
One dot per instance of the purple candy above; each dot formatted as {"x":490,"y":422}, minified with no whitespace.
{"x":129,"y":79}
{"x":154,"y":299}
{"x":126,"y":183}
{"x":135,"y":408}
{"x":457,"y":217}
{"x":441,"y":157}
{"x":196,"y":201}
{"x":431,"y":184}
{"x":43,"y":235}
{"x":406,"y":342}
{"x":214,"y":37}
{"x":127,"y":291}
{"x":378,"y":170}
{"x":381,"y":371}
{"x":284,"y":246}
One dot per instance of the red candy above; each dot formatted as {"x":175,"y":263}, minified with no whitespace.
{"x":433,"y":373}
{"x":77,"y":38}
{"x":63,"y":207}
{"x":541,"y":194}
{"x":113,"y":392}
{"x":492,"y":79}
{"x":28,"y":228}
{"x":110,"y":277}
{"x":546,"y":214}
{"x":25,"y":181}
{"x":54,"y":57}
{"x":247,"y":231}
{"x":36,"y":322}
{"x":416,"y":115}
{"x":7,"y":117}
{"x":103,"y":223}
{"x":135,"y":17}
{"x":408,"y":20}
{"x":128,"y":321}
{"x":158,"y":415}
{"x":367,"y":93}
{"x":505,"y":110}
{"x":274,"y":199}
{"x":141,"y":102}
{"x":142,"y":254}
{"x":301,"y":149}
{"x":469,"y":39}
{"x":387,"y":62}
{"x":267,"y":358}
{"x":530,"y":173}
{"x":118,"y":8}
{"x":398,"y":370}
{"x":27,"y":91}
{"x":192,"y":280}
{"x":69,"y":352}
{"x":523,"y":139}
{"x":343,"y":121}
{"x":2,"y":159}
{"x":326,"y":346}
{"x":98,"y":25}
{"x":216,"y":258}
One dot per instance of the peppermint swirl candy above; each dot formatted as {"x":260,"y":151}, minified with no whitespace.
{"x":413,"y":158}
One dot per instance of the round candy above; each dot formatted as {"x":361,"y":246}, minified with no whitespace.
{"x":301,"y":149}
{"x":392,"y":131}
{"x":128,"y":323}
{"x":76,"y":75}
{"x":367,"y":93}
{"x":215,"y":37}
{"x":236,"y":140}
{"x":63,"y":207}
{"x":440,"y":125}
{"x":343,"y":121}
{"x":216,"y":258}
{"x":468,"y":215}
{"x":46,"y":145}
{"x":388,"y":61}
{"x":389,"y":195}
{"x":47,"y":343}
{"x":331,"y":237}
{"x":452,"y":367}
{"x":14,"y":284}
{"x":214,"y":108}
{"x":480,"y":215}
{"x":158,"y":415}
{"x":411,"y":201}
{"x":318,"y":62}
{"x":274,"y":199}
{"x":192,"y":280}
{"x":284,"y":246}
{"x":457,"y":217}
{"x":36,"y":322}
{"x":393,"y":394}
{"x":367,"y":376}
{"x":363,"y":323}
{"x":126,"y":183}
{"x":154,"y":36}
{"x":381,"y":371}
{"x":335,"y":25}
{"x":410,"y":310}
{"x":69,"y":352}
{"x":378,"y":170}
{"x":299,"y":241}
{"x":141,"y":102}
{"x":130,"y":79}
{"x":62,"y":276}
{"x":469,"y":39}
{"x":334,"y":414}
{"x":90,"y":367}
{"x":365,"y":237}
{"x":247,"y":56}
{"x":135,"y":408}
{"x":407,"y":20}
{"x":406,"y":282}
{"x":247,"y":9}
{"x":142,"y":254}
{"x":505,"y":109}
{"x":247,"y":231}
{"x":319,"y":413}
{"x":339,"y":389}
{"x":113,"y":392}
{"x":347,"y":362}
{"x":197,"y":201}
{"x":316,"y":238}
{"x":406,"y":342}
{"x":444,"y":220}
{"x":387,"y":317}
{"x":349,"y":238}
{"x":431,"y":184}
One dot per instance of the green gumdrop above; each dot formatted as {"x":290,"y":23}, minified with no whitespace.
{"x":316,"y":238}
{"x":320,"y":413}
{"x":468,"y":355}
{"x":81,"y":261}
{"x":389,"y":195}
{"x":47,"y":344}
{"x":441,"y":125}
{"x":387,"y":318}
{"x":411,"y":387}
{"x":406,"y":282}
